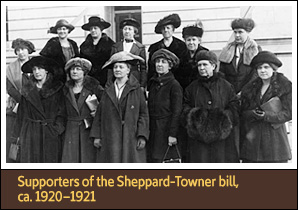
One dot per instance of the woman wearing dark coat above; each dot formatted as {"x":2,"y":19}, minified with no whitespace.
{"x":78,"y":148}
{"x":121,"y":126}
{"x":210,"y":108}
{"x":263,"y":134}
{"x":97,"y":47}
{"x":39,"y":118}
{"x":165,"y":106}
{"x":61,"y":48}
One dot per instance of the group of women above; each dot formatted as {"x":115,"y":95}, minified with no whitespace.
{"x":103,"y":103}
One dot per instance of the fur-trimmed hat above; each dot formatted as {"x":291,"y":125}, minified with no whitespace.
{"x":245,"y":23}
{"x":208,"y":125}
{"x":122,"y":56}
{"x":265,"y":57}
{"x":41,"y":61}
{"x":193,"y":30}
{"x":206,"y":55}
{"x":60,"y":23}
{"x":82,"y":62}
{"x":172,"y":19}
{"x":164,"y":53}
{"x":129,"y":22}
{"x":96,"y":21}
{"x":21,"y":43}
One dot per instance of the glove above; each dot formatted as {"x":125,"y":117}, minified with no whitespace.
{"x":141,"y":143}
{"x":97,"y":143}
{"x":172,"y":141}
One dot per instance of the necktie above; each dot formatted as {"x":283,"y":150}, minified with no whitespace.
{"x":128,"y":40}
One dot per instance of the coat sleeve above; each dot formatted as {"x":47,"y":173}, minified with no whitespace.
{"x":143,"y":69}
{"x":20,"y":118}
{"x":176,"y":108}
{"x":186,"y":106}
{"x":12,"y":91}
{"x":96,"y":125}
{"x":233,"y":106}
{"x":60,"y":122}
{"x":143,"y":121}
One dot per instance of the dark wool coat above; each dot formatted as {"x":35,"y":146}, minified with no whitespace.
{"x":98,"y":55}
{"x":119,"y":124}
{"x":40,"y":123}
{"x":177,"y":47}
{"x":218,"y":95}
{"x":260,"y":140}
{"x":78,"y":148}
{"x":187,"y":71}
{"x":139,"y":71}
{"x":165,"y":106}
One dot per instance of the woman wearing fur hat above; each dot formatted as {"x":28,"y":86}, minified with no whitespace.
{"x":78,"y":148}
{"x":39,"y":119}
{"x":97,"y":47}
{"x":236,"y":57}
{"x":61,"y":48}
{"x":129,"y":27}
{"x":15,"y":79}
{"x":266,"y":106}
{"x":165,"y":106}
{"x":166,"y":26}
{"x":121,"y":125}
{"x":210,"y":108}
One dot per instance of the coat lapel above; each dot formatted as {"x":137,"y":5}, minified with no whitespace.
{"x":34,"y":98}
{"x":83,"y":97}
{"x":134,"y":49}
{"x":112,"y":95}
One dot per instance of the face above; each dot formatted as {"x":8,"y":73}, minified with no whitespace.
{"x":206,"y":68}
{"x":265,"y":71}
{"x":39,"y":73}
{"x":192,"y":42}
{"x":121,"y":70}
{"x":95,"y":32}
{"x":62,"y":32}
{"x":162,"y":66}
{"x":167,"y":31}
{"x":76,"y":73}
{"x":22,"y":53}
{"x":128,"y":32}
{"x":240,"y":35}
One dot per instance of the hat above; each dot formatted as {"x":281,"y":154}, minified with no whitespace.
{"x":206,"y":55}
{"x":193,"y":30}
{"x":172,"y":19}
{"x":96,"y":21}
{"x":82,"y":62}
{"x":265,"y":57}
{"x":21,"y":43}
{"x":163,"y":53}
{"x":41,"y":61}
{"x":245,"y":23}
{"x":60,"y":23}
{"x":129,"y":22}
{"x":122,"y":56}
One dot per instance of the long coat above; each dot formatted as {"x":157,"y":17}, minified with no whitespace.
{"x":139,"y":71}
{"x":165,"y":106}
{"x":40,"y":122}
{"x":261,"y":139}
{"x":78,"y":148}
{"x":98,"y":55}
{"x":177,"y":47}
{"x":211,"y":94}
{"x":119,"y":123}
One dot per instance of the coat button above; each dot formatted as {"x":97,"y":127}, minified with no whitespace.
{"x":209,"y":102}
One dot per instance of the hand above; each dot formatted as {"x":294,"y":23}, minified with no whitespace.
{"x":258,"y":114}
{"x":93,"y":113}
{"x":141,"y":143}
{"x":97,"y":143}
{"x":172,"y":141}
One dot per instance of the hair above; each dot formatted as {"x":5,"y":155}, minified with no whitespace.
{"x":125,"y":62}
{"x":135,"y":29}
{"x":272,"y":65}
{"x":171,"y":65}
{"x":173,"y":27}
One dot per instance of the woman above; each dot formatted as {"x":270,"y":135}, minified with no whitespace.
{"x":97,"y":47}
{"x":165,"y":106}
{"x":121,"y":125}
{"x":39,"y":119}
{"x":14,"y":82}
{"x":61,"y":48}
{"x":236,"y":57}
{"x":264,"y":133}
{"x":129,"y":27}
{"x":78,"y":148}
{"x":210,"y":108}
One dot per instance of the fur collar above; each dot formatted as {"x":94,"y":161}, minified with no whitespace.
{"x":216,"y":76}
{"x":104,"y":37}
{"x":163,"y":80}
{"x":89,"y":83}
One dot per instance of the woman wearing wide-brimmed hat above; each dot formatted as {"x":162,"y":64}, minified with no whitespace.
{"x":15,"y":79}
{"x":39,"y":118}
{"x":78,"y":148}
{"x":166,"y":26}
{"x":97,"y":47}
{"x":121,"y":125}
{"x":129,"y":27}
{"x":165,"y":106}
{"x":266,"y":106}
{"x":61,"y":48}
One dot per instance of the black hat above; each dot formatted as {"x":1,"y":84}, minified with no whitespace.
{"x":164,"y":53}
{"x":20,"y":43}
{"x":41,"y":61}
{"x":172,"y":19}
{"x":245,"y":23}
{"x":96,"y":21}
{"x":129,"y":22}
{"x":206,"y":55}
{"x":265,"y":57}
{"x":192,"y":31}
{"x":60,"y":23}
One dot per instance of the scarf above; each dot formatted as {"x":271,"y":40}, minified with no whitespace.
{"x":14,"y":74}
